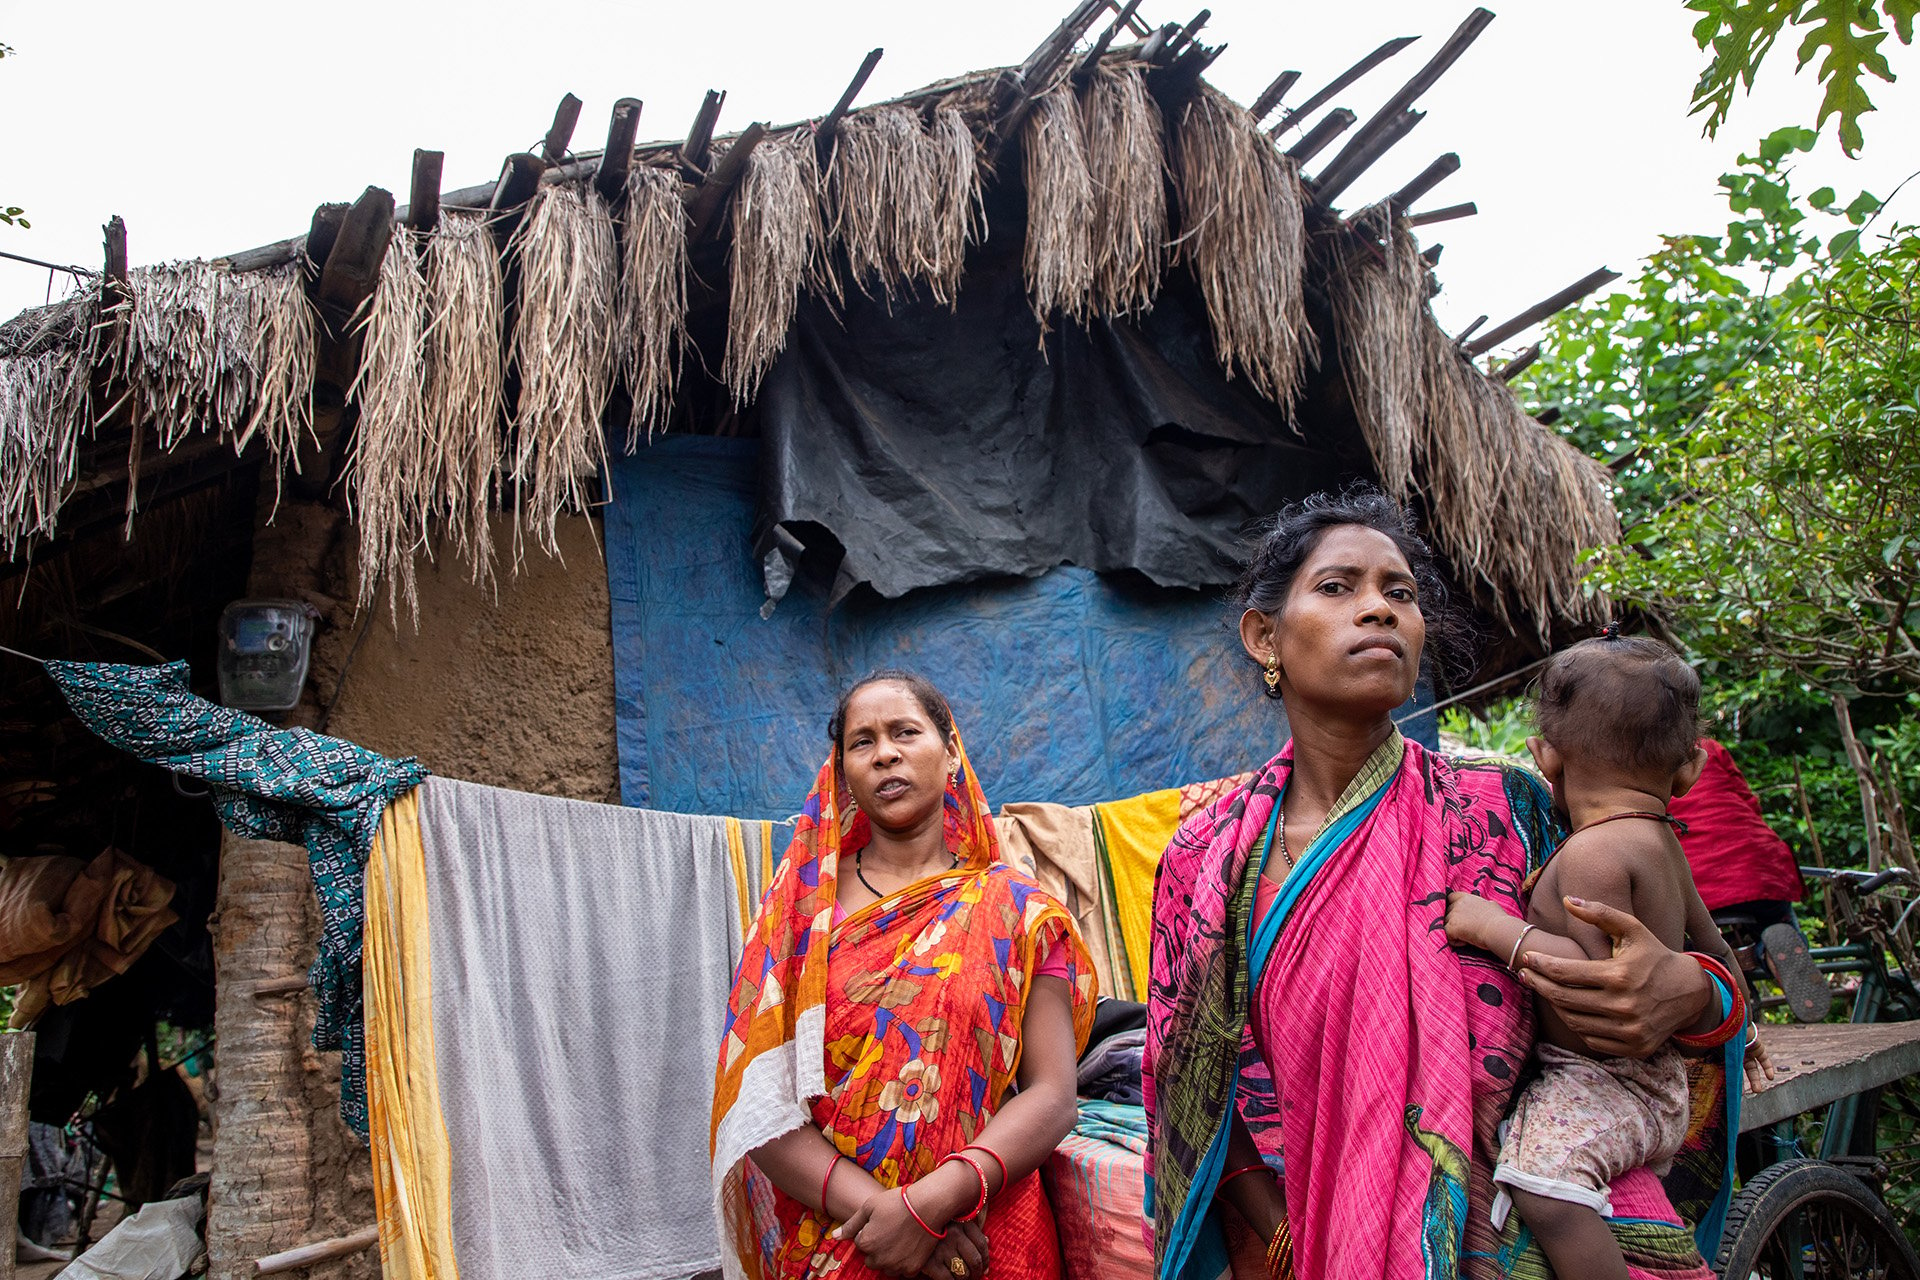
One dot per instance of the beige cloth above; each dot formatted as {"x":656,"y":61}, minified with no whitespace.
{"x":1584,"y":1121}
{"x":1054,"y":844}
{"x":66,"y":925}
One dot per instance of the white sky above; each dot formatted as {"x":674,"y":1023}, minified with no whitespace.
{"x":216,"y":125}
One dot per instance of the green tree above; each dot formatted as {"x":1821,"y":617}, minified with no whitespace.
{"x":1845,"y":36}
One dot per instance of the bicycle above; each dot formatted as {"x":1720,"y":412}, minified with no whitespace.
{"x":1826,"y":1217}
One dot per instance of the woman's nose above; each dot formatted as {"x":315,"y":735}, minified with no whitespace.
{"x":1375,"y":607}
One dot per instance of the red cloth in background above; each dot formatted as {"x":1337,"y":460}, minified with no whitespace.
{"x":1735,"y":855}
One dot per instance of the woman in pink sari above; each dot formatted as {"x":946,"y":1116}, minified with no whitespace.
{"x":1318,"y":1058}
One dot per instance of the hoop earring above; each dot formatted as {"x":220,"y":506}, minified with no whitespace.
{"x":1272,"y":677}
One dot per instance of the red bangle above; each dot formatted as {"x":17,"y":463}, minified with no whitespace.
{"x":1258,"y":1166}
{"x":826,"y":1178}
{"x":1004,"y":1179}
{"x":1736,"y":1015}
{"x":973,"y":1164}
{"x":937,"y":1235}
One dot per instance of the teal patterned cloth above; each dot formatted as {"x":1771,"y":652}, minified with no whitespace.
{"x":268,"y":784}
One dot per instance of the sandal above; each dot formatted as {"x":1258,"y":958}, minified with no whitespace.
{"x":1791,"y":963}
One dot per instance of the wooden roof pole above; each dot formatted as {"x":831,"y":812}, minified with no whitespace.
{"x":423,"y":196}
{"x":1331,"y":126}
{"x":706,"y":202}
{"x":1270,"y":96}
{"x":1540,"y":311}
{"x":1348,"y":164}
{"x":831,"y":121}
{"x":693,"y":152}
{"x":1460,"y":338}
{"x":1429,"y":178}
{"x":554,"y":149}
{"x":1341,"y":81}
{"x":610,"y":179}
{"x":1447,"y":214}
{"x":1014,"y":92}
{"x":1187,"y":33}
{"x":1511,"y":369}
{"x":1358,"y":156}
{"x":1099,"y":50}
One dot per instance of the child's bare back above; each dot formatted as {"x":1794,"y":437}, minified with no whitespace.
{"x":1633,"y":863}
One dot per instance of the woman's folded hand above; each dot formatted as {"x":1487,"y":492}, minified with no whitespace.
{"x":1627,"y":1006}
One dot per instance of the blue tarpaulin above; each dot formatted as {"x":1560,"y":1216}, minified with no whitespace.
{"x":1070,"y":687}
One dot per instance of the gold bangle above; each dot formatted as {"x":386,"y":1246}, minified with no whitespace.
{"x":1280,"y":1252}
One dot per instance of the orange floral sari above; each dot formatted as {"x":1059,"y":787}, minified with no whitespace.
{"x":896,"y":1032}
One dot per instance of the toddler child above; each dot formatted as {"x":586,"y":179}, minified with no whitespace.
{"x":1618,"y":739}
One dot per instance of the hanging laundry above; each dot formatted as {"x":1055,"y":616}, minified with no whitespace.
{"x":67,"y":925}
{"x":1130,"y":836}
{"x":544,"y":982}
{"x":1054,"y":844}
{"x":267,"y":784}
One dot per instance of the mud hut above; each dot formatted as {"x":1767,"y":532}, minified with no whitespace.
{"x":548,"y":456}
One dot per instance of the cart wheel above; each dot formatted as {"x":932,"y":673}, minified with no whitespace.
{"x":1809,"y":1220}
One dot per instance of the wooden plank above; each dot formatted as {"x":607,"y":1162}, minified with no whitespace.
{"x":423,"y":196}
{"x":16,"y":1075}
{"x":114,"y":236}
{"x":610,"y":179}
{"x":1325,"y":94}
{"x":1514,"y":367}
{"x":1468,"y":332}
{"x":1541,"y":310}
{"x":519,"y":180}
{"x":322,"y":232}
{"x":1822,"y":1063}
{"x":553,"y":149}
{"x":1188,"y":33}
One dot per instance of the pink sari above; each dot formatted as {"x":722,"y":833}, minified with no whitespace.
{"x":1395,"y":1056}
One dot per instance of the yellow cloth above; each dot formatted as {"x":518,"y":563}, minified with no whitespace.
{"x":1132,"y":834}
{"x":412,"y":1160}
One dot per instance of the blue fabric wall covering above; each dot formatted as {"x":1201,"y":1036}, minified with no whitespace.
{"x":1070,"y":687}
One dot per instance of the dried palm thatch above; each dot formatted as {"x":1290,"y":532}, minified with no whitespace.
{"x":390,"y":472}
{"x":903,"y":199}
{"x":1243,"y":235}
{"x":1126,"y":159}
{"x":185,"y":349}
{"x":282,"y":321}
{"x":563,"y":348}
{"x":42,"y":418}
{"x":1377,"y":286}
{"x":1060,"y":210}
{"x":465,"y":392}
{"x":653,"y":296}
{"x":778,"y":241}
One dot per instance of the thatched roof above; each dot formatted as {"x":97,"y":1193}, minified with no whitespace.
{"x":487,"y":344}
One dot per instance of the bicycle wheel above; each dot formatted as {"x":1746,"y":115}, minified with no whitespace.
{"x":1808,"y":1220}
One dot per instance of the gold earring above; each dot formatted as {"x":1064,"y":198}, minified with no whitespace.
{"x":1272,"y":676}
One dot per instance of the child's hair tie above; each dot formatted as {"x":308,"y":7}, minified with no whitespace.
{"x":1611,"y":631}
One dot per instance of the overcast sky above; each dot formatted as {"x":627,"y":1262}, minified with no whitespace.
{"x":216,"y":125}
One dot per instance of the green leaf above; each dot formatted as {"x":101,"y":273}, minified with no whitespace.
{"x":1777,"y":145}
{"x":1864,"y":206}
{"x":1823,"y":198}
{"x":1843,"y":244}
{"x":1901,"y":13}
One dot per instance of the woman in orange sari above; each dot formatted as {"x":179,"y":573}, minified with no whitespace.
{"x":899,"y":983}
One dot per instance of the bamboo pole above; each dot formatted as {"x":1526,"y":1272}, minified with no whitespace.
{"x":16,"y":1075}
{"x":307,"y":1255}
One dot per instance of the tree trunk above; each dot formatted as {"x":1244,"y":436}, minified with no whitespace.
{"x":1864,"y":773}
{"x":259,"y":1201}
